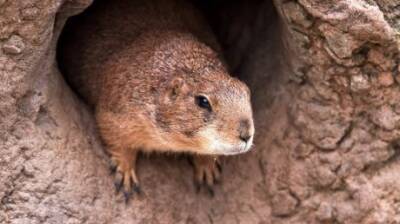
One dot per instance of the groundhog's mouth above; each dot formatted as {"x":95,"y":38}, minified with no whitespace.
{"x":247,"y":146}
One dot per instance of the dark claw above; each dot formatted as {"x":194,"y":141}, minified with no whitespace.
{"x":216,"y":180}
{"x":219,"y":166}
{"x":211,"y":191}
{"x":113,"y":167}
{"x":197,"y":186}
{"x":127,"y":196}
{"x":136,"y":188}
{"x":118,"y":182}
{"x":190,"y":161}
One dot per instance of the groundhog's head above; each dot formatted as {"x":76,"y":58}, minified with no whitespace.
{"x":226,"y":113}
{"x":206,"y":111}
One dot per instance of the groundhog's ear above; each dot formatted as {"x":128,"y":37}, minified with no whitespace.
{"x":177,"y":87}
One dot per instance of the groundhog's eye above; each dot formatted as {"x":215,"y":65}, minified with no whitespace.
{"x":203,"y":102}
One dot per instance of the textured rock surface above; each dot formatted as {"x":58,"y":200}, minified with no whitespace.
{"x":325,"y":80}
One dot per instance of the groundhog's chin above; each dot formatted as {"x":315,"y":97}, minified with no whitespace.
{"x":237,"y":148}
{"x":218,"y":146}
{"x":228,"y":149}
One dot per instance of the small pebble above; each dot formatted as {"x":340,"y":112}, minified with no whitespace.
{"x":385,"y":79}
{"x":325,"y":212}
{"x":359,"y":82}
{"x":14,"y":45}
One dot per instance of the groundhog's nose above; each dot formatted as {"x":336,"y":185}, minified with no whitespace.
{"x":245,"y":138}
{"x":244,"y":130}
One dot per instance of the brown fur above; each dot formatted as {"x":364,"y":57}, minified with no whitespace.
{"x":141,"y":64}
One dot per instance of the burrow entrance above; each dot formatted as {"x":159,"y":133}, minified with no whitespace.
{"x":251,"y":36}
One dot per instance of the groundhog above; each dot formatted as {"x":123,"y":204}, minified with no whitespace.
{"x":153,"y":72}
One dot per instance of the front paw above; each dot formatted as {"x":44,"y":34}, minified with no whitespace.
{"x":125,"y":179}
{"x":207,"y":173}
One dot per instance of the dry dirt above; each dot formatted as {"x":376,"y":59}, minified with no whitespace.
{"x":325,"y":80}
